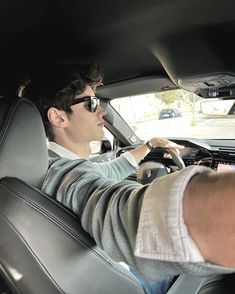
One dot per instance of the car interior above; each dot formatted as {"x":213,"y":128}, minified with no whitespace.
{"x":142,"y":47}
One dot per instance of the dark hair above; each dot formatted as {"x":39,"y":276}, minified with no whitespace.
{"x":58,"y":88}
{"x":91,"y":74}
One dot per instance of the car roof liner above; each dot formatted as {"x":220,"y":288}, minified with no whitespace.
{"x":127,"y":39}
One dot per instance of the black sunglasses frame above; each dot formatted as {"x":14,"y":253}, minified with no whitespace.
{"x":90,"y":104}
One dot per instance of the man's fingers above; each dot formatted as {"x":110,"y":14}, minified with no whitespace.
{"x":173,"y":145}
{"x":164,"y":143}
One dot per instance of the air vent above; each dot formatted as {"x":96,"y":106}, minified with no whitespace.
{"x":227,"y":151}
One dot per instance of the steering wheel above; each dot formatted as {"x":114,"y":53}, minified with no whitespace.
{"x":176,"y":158}
{"x":150,"y":170}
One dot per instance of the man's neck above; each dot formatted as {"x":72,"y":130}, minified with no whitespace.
{"x":82,"y":150}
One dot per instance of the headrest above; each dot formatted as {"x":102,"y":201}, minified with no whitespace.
{"x":23,"y":149}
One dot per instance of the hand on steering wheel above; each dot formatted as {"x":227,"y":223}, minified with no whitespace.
{"x":176,"y":158}
{"x":171,"y":147}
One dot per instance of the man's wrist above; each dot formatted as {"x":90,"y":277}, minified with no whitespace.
{"x":149,"y":145}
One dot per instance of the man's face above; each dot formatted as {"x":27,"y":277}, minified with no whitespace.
{"x":83,"y":125}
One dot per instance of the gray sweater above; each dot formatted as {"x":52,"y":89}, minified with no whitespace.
{"x":109,"y":208}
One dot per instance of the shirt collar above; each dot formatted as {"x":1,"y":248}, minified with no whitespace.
{"x":61,"y":151}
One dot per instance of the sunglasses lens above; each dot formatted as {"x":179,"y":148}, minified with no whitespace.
{"x":91,"y":103}
{"x":87,"y":105}
{"x":94,"y":104}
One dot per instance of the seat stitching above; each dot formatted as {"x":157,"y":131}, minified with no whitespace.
{"x":32,"y":252}
{"x":65,"y":228}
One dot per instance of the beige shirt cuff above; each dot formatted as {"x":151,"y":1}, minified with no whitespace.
{"x":162,"y":233}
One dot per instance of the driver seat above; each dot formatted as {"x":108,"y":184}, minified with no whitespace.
{"x":43,"y":248}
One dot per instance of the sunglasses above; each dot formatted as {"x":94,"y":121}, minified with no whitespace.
{"x":91,"y":102}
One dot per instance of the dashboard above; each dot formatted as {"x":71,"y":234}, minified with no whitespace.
{"x":217,"y":154}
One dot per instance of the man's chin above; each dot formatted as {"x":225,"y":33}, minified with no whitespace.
{"x":100,"y":137}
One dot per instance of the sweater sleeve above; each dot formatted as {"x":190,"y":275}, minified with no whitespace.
{"x":117,"y":169}
{"x":111,"y":212}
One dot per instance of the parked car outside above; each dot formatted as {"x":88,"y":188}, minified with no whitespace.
{"x":169,"y":113}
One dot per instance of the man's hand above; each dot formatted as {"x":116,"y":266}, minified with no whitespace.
{"x":164,"y":143}
{"x":140,"y":152}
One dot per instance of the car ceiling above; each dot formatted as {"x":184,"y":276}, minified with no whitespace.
{"x":180,"y":39}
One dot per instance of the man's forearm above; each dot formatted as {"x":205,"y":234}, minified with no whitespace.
{"x":141,"y":151}
{"x":209,"y":213}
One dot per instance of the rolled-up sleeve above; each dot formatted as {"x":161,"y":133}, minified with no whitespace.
{"x":162,"y":233}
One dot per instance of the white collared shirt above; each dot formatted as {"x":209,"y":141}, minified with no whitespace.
{"x":63,"y":152}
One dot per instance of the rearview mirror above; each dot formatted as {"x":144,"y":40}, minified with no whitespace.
{"x":216,"y":107}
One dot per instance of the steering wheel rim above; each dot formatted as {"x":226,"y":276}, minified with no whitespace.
{"x":176,"y":158}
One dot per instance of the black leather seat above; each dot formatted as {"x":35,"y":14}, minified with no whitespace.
{"x":217,"y":284}
{"x":43,"y":249}
{"x":221,"y":284}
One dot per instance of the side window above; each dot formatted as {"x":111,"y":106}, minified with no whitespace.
{"x":108,"y":136}
{"x":96,"y":145}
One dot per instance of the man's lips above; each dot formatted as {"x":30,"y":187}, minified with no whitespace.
{"x":100,"y":124}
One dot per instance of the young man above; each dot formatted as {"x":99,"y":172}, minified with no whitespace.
{"x":72,"y":141}
{"x":162,"y":229}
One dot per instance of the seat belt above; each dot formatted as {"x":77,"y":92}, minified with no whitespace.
{"x":186,"y":284}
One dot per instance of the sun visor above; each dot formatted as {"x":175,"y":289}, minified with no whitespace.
{"x":135,"y":86}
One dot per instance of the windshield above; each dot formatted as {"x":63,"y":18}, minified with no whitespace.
{"x":177,"y":113}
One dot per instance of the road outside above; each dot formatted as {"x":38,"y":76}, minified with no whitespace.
{"x":201,"y":118}
{"x":214,"y":127}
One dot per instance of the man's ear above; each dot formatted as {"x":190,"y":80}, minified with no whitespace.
{"x":58,"y":118}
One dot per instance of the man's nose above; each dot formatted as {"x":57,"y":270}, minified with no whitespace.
{"x":102,"y":110}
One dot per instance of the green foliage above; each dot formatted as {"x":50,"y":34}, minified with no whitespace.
{"x":168,"y":97}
